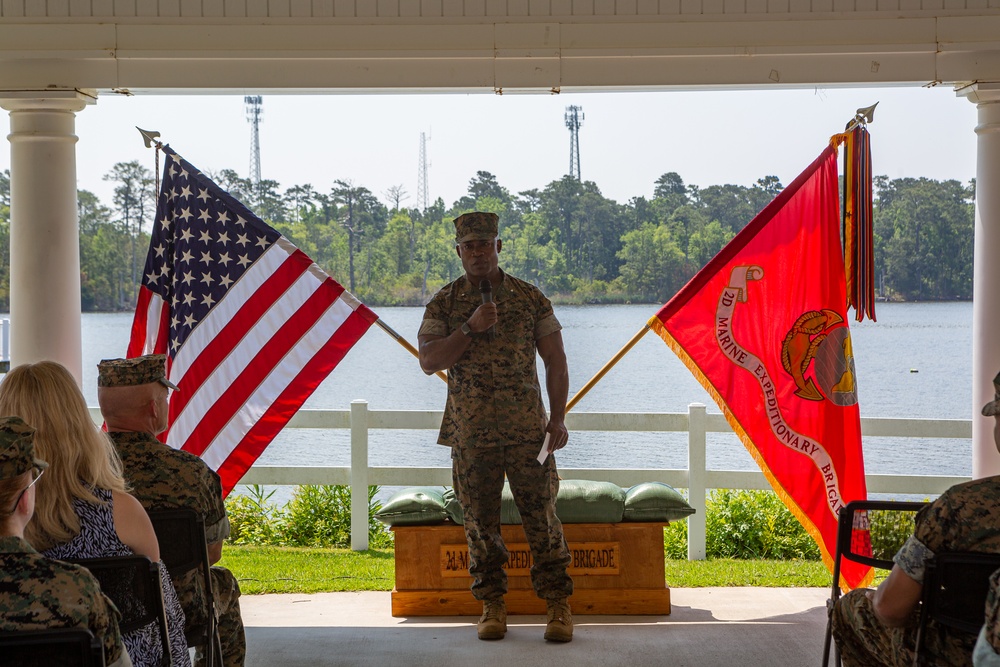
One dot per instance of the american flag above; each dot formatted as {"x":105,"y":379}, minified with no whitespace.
{"x":250,"y":325}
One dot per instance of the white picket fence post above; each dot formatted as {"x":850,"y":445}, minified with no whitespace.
{"x":359,"y":475}
{"x":697,"y":477}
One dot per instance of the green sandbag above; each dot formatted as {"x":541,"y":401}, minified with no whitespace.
{"x":414,"y":506}
{"x":579,"y":501}
{"x":453,"y":507}
{"x":655,"y":501}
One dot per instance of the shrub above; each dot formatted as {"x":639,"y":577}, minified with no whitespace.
{"x":316,"y":516}
{"x":747,"y":525}
{"x":675,"y":540}
{"x":754,"y":524}
{"x":889,"y":530}
{"x":252,"y":517}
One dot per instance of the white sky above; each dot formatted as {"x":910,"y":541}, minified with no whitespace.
{"x":627,"y":140}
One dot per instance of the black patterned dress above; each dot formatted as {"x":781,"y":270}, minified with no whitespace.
{"x":97,"y":539}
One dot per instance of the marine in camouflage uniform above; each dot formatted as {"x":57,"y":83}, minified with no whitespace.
{"x":987,"y":651}
{"x":966,"y":517}
{"x":37,"y":593}
{"x":495,"y":423}
{"x":162,"y":477}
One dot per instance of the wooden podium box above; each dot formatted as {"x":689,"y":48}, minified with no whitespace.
{"x":617,"y":568}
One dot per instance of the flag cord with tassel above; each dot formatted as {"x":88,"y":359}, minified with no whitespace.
{"x":149,"y":137}
{"x":858,"y":220}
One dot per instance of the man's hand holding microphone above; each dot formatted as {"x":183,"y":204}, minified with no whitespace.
{"x":485,"y":316}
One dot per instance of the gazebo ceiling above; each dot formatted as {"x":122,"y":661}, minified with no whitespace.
{"x":185,"y":46}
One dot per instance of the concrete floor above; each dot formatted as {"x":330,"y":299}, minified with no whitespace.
{"x":707,"y":627}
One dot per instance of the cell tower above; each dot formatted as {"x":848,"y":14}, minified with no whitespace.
{"x":254,"y":111}
{"x":422,"y":173}
{"x":574,"y":119}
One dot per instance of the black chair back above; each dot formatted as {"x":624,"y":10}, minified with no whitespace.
{"x":854,"y":544}
{"x":183,"y":548}
{"x":64,"y":647}
{"x":954,"y":594}
{"x":133,"y":584}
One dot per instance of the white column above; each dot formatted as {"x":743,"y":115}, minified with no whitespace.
{"x":45,"y":234}
{"x":986,"y":282}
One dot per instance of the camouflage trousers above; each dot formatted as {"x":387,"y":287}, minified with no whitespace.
{"x":477,"y":475}
{"x":864,"y":641}
{"x":229,"y":622}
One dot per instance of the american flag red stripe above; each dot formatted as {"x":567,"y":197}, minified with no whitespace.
{"x":271,"y":422}
{"x":250,"y":325}
{"x":218,"y":346}
{"x":252,"y":374}
{"x":149,"y":334}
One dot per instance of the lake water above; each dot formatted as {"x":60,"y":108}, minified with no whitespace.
{"x":914,"y":362}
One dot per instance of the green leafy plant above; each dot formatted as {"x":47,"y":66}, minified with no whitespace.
{"x":316,"y":516}
{"x":756,"y":525}
{"x":253,"y":518}
{"x":889,"y":530}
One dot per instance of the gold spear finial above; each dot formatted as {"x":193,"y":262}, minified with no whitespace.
{"x":863,"y":116}
{"x":149,"y":137}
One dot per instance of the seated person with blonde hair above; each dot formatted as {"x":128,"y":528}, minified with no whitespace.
{"x":84,"y":509}
{"x":37,"y":593}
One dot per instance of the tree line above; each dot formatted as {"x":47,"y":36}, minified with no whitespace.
{"x":567,"y":238}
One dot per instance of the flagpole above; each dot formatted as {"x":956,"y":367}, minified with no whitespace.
{"x":402,"y":341}
{"x":607,"y":367}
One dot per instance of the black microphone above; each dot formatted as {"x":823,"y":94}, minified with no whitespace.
{"x":487,"y":290}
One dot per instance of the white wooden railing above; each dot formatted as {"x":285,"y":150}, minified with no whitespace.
{"x":697,"y":478}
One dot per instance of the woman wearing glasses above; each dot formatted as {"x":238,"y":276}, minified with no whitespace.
{"x":38,"y":593}
{"x":83,"y":509}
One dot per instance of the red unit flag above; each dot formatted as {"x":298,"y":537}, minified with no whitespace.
{"x":250,"y":325}
{"x":764,"y":329}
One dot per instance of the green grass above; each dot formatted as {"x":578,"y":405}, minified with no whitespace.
{"x":309,"y":570}
{"x":315,"y":570}
{"x":734,"y":572}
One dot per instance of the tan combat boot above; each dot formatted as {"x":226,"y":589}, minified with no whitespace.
{"x":560,"y":625}
{"x":493,"y":622}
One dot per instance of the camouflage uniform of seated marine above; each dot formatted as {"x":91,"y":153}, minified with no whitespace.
{"x":987,"y":651}
{"x":162,"y":477}
{"x":966,"y":517}
{"x":38,"y":593}
{"x":494,"y":422}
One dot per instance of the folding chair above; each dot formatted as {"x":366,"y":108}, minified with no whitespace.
{"x":845,"y":544}
{"x":954,"y":594}
{"x":183,"y":548}
{"x":62,"y":647}
{"x":133,"y":584}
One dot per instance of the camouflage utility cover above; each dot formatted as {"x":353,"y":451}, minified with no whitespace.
{"x":992,"y":408}
{"x":477,"y":226}
{"x":17,"y":448}
{"x":37,"y":593}
{"x":494,"y":396}
{"x":133,"y":372}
